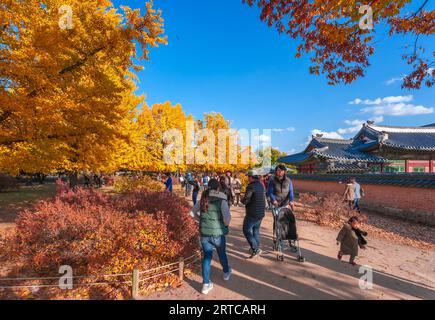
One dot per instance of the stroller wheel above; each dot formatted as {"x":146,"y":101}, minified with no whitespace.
{"x":301,"y":259}
{"x":280,"y":257}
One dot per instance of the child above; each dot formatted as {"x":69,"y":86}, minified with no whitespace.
{"x":351,"y":238}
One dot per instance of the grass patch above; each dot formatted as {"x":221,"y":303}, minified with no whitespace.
{"x":26,"y":195}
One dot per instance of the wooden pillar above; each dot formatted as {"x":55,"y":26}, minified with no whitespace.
{"x":407,"y":167}
{"x":431,"y":167}
{"x":181,"y":268}
{"x":135,"y":285}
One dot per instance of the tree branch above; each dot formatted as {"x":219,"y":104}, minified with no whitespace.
{"x":419,"y":10}
{"x":81,"y":62}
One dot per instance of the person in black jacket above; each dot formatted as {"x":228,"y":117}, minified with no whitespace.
{"x":255,"y":203}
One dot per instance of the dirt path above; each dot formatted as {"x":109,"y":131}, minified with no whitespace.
{"x":400,"y":272}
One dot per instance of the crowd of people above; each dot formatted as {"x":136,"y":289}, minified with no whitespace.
{"x":193,"y":184}
{"x":263,"y":192}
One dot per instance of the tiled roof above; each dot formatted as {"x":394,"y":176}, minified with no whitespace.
{"x":398,"y":179}
{"x":347,"y":167}
{"x":371,"y":137}
{"x":295,"y":158}
{"x":342,"y":150}
{"x":405,"y":138}
{"x":334,"y":149}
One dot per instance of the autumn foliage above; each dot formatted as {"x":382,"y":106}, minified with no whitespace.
{"x":330,"y":32}
{"x":127,"y":184}
{"x":67,"y":97}
{"x":328,"y":210}
{"x":98,"y":235}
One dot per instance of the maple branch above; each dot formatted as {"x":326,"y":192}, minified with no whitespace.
{"x":415,"y":45}
{"x":419,"y":10}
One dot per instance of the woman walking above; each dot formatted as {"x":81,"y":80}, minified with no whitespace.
{"x":225,"y":189}
{"x":214,"y":218}
{"x":196,"y":188}
{"x":237,"y":187}
{"x":349,"y":195}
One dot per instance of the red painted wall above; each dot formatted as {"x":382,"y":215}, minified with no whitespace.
{"x":408,"y":201}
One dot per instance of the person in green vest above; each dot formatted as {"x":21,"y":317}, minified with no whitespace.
{"x":214,"y":216}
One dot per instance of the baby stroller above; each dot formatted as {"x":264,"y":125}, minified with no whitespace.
{"x":284,"y":228}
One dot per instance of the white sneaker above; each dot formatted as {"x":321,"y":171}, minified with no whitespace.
{"x":227,"y":275}
{"x":206,"y":288}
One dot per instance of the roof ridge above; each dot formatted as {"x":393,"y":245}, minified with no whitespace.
{"x":343,"y":141}
{"x":400,"y":129}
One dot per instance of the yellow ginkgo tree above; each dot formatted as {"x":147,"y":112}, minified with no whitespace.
{"x":67,"y":83}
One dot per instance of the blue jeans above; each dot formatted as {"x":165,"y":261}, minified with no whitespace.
{"x":251,"y":230}
{"x":208,"y":245}
{"x":356,"y":204}
{"x":195,"y":197}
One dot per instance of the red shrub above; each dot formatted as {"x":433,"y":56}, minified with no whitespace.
{"x":98,"y":234}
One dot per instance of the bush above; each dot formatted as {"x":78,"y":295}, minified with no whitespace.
{"x":7,"y":183}
{"x":98,"y":234}
{"x":328,"y":210}
{"x":128,"y":184}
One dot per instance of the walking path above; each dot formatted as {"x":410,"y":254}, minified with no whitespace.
{"x":400,"y":272}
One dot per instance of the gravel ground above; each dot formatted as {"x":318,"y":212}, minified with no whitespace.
{"x":402,"y":269}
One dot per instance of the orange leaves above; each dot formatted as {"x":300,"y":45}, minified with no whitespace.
{"x":97,"y":234}
{"x":329,"y":30}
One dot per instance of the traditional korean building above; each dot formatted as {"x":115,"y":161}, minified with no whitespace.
{"x":374,"y":149}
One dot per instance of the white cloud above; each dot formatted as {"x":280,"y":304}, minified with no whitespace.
{"x":393,"y":80}
{"x":392,"y":106}
{"x":398,"y":109}
{"x":281,"y":130}
{"x":264,"y":138}
{"x":350,"y":130}
{"x":357,"y":124}
{"x":379,"y":101}
{"x":325,"y":134}
{"x":397,"y":99}
{"x":356,"y":101}
{"x":354,"y":122}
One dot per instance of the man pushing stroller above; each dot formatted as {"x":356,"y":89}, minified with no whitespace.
{"x":280,"y":191}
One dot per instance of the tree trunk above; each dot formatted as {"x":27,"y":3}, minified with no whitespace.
{"x":73,"y":180}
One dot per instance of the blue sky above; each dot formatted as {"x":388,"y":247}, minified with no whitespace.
{"x":221,"y":57}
